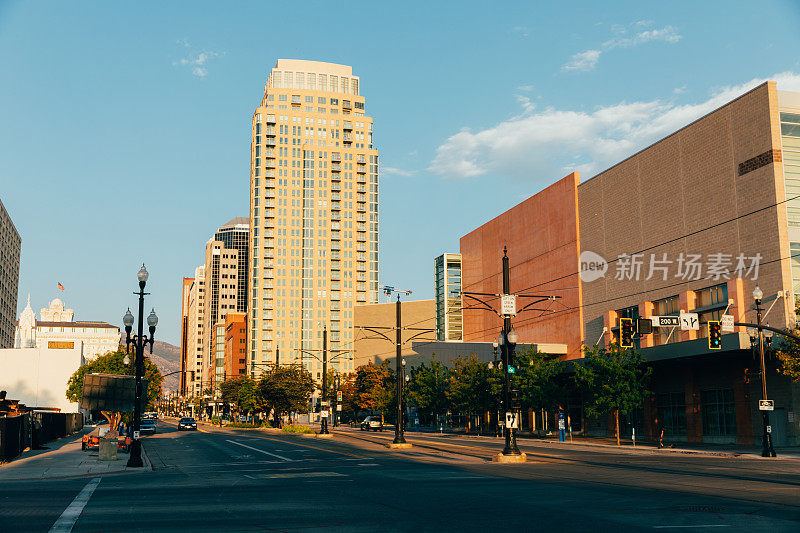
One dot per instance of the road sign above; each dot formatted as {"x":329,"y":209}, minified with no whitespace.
{"x":339,"y":407}
{"x":727,"y":323}
{"x":508,"y":305}
{"x":511,"y":369}
{"x":325,"y":403}
{"x":690,"y":321}
{"x":511,"y":420}
{"x":323,"y":414}
{"x":766,"y":405}
{"x":666,"y":321}
{"x":136,"y":435}
{"x":339,"y":396}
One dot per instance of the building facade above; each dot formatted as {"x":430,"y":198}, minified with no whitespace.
{"x":57,"y":329}
{"x":186,"y":367}
{"x":314,"y":213}
{"x":692,"y":223}
{"x":194,"y":336}
{"x":10,"y":248}
{"x":447,"y":275}
{"x":235,"y":345}
{"x":225,"y":261}
{"x":375,"y":320}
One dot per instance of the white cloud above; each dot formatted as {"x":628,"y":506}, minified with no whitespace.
{"x":552,"y":142}
{"x":197,"y":63}
{"x":679,"y":90}
{"x":525,"y":88}
{"x":397,"y":171}
{"x":583,"y":61}
{"x":667,"y":34}
{"x":587,"y":60}
{"x":522,"y":31}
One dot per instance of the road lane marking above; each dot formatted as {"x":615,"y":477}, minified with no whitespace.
{"x":256,"y":449}
{"x":301,"y":474}
{"x":67,"y":520}
{"x":315,"y":448}
{"x":697,"y":525}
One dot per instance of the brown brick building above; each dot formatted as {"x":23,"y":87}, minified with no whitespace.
{"x":235,"y":345}
{"x":691,"y":223}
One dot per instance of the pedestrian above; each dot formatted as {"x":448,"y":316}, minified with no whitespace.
{"x":562,"y":424}
{"x":659,"y":433}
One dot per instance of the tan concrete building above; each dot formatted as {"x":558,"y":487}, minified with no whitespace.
{"x":10,"y":247}
{"x":186,"y":291}
{"x":373,"y":322}
{"x":195,"y":330}
{"x":314,"y":213}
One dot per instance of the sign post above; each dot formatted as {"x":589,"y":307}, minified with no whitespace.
{"x":689,"y":321}
{"x":766,"y":405}
{"x":508,"y":305}
{"x":726,"y":323}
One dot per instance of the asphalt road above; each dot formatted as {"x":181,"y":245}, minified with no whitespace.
{"x":239,"y":480}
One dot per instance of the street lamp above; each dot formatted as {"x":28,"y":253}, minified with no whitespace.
{"x":507,"y":340}
{"x":767,"y":449}
{"x":139,"y":341}
{"x":498,"y":400}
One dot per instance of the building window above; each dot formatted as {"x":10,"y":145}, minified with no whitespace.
{"x":719,"y":412}
{"x":672,"y":413}
{"x":711,"y":302}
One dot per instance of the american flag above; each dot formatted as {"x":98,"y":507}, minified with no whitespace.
{"x":60,"y":286}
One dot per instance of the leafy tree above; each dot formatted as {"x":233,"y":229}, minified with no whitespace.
{"x":473,"y":386}
{"x":788,"y":353}
{"x":375,"y":387}
{"x":284,"y":389}
{"x":240,"y":392}
{"x":349,"y":393}
{"x":615,"y":380}
{"x":113,"y":363}
{"x":429,"y":386}
{"x":538,"y":379}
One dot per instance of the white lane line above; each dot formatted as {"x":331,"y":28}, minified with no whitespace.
{"x":67,"y":520}
{"x":697,"y":525}
{"x":257,"y":450}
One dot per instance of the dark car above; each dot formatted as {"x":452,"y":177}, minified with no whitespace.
{"x":372,"y":422}
{"x":148,"y":425}
{"x":187,"y":423}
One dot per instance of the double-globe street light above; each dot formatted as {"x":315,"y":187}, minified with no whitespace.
{"x":767,"y":450}
{"x":139,"y":341}
{"x":507,"y":341}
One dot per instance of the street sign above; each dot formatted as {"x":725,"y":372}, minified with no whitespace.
{"x":323,"y":414}
{"x":339,"y":407}
{"x":511,"y":369}
{"x":508,"y":305}
{"x":325,"y":403}
{"x":727,"y":323}
{"x":766,"y":405}
{"x":666,"y":321}
{"x":511,"y":420}
{"x":339,"y":396}
{"x":690,"y":321}
{"x":136,"y":435}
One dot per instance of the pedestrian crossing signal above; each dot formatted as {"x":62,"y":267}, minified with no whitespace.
{"x":626,"y":332}
{"x":714,"y":335}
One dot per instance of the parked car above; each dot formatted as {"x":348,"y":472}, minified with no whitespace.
{"x":374,"y":423}
{"x":91,"y":441}
{"x":148,"y":425}
{"x":187,"y":423}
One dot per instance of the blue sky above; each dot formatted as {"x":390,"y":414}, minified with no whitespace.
{"x":122,"y":120}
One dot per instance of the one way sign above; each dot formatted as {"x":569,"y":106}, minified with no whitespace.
{"x":689,"y":321}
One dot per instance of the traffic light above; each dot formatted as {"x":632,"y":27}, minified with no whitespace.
{"x":644,"y":326}
{"x":626,"y":332}
{"x":714,"y":335}
{"x":516,"y":399}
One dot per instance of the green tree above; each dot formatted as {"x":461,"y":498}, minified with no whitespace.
{"x":113,"y":363}
{"x":428,"y":388}
{"x":239,"y":392}
{"x":473,"y":386}
{"x":539,"y":379}
{"x":283,"y":390}
{"x":375,"y":387}
{"x":787,"y":351}
{"x":614,"y":380}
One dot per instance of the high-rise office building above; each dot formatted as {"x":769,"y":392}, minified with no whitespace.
{"x":225,"y":273}
{"x":194,"y":337}
{"x":447,"y":272}
{"x":314,"y":213}
{"x":186,"y":290}
{"x":10,"y":245}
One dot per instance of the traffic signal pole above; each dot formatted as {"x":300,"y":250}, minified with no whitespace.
{"x":508,"y":360}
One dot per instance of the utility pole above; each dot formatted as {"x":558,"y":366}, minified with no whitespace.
{"x":508,"y":349}
{"x":324,"y":422}
{"x":399,"y":426}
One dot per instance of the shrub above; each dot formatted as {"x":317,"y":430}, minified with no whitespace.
{"x":297,"y":428}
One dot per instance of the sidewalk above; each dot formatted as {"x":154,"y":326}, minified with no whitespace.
{"x":64,"y":458}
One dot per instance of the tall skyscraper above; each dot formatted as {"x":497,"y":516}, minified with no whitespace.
{"x":194,"y":337}
{"x":186,"y":363}
{"x":225,"y":274}
{"x":10,"y":245}
{"x":314,"y":213}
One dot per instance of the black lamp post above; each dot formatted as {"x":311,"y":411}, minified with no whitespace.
{"x":498,"y":399}
{"x":507,"y":340}
{"x":766,"y":439}
{"x":399,"y":438}
{"x":324,"y":422}
{"x":139,"y":341}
